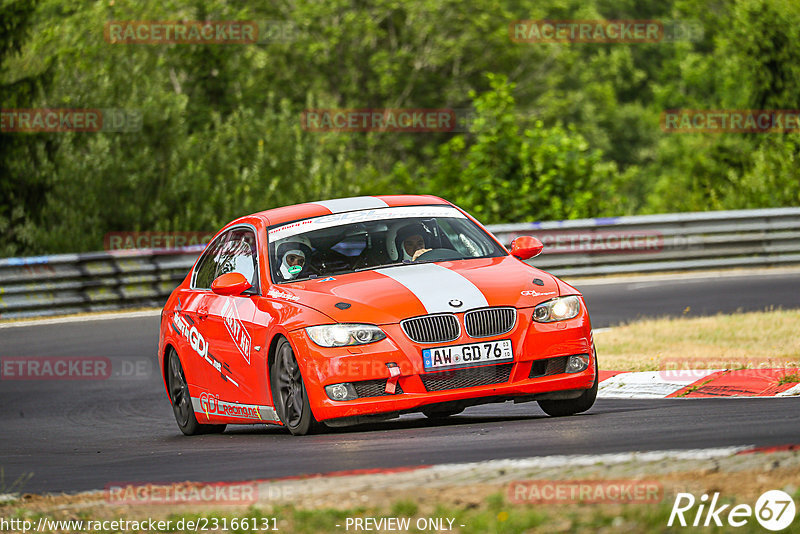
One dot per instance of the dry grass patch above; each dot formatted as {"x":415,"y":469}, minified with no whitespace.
{"x":741,"y":340}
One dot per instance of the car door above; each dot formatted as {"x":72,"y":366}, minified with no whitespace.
{"x":189,"y":320}
{"x":237,"y":371}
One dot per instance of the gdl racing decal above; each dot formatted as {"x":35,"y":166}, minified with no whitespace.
{"x":210,"y":404}
{"x":198,"y":343}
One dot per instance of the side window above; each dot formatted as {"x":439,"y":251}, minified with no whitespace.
{"x":233,"y":252}
{"x":464,"y":239}
{"x":238,"y":254}
{"x":206,"y":269}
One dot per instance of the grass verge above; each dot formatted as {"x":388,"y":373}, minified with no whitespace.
{"x":740,"y":340}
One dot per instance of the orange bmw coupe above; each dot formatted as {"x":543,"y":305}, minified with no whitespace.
{"x":359,"y":309}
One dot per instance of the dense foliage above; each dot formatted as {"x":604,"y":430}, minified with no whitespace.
{"x":560,"y":130}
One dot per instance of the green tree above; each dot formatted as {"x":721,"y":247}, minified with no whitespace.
{"x":515,"y":172}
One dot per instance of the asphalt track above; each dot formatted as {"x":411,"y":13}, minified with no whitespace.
{"x":81,"y":435}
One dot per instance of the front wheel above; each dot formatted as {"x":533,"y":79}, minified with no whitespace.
{"x":289,"y":392}
{"x":559,"y":408}
{"x":182,"y":401}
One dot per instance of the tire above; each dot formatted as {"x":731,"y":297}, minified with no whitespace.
{"x":182,"y":402}
{"x":560,"y":408}
{"x":289,"y":392}
{"x":441,"y":413}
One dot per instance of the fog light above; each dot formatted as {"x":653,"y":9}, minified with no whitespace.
{"x":577,"y":363}
{"x":341,"y":392}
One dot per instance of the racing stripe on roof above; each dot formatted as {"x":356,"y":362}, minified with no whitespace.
{"x":340,"y":205}
{"x":435,"y":286}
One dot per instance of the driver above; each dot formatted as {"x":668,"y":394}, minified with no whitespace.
{"x":293,"y":252}
{"x":411,"y":241}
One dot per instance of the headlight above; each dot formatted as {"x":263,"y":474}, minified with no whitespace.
{"x":342,"y":335}
{"x":557,"y":309}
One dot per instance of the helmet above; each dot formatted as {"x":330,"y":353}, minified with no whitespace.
{"x":296,"y":245}
{"x":400,"y":233}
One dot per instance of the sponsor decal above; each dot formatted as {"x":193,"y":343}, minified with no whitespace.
{"x":277,"y":294}
{"x":191,"y":334}
{"x":377,"y":214}
{"x":198,"y":343}
{"x":210,"y":404}
{"x":534,"y":293}
{"x":235,"y":327}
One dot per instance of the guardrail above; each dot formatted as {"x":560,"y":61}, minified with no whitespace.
{"x":99,"y":281}
{"x":95,"y":281}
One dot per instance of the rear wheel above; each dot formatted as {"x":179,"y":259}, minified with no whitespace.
{"x":289,"y":392}
{"x":182,"y":402}
{"x":559,"y":408}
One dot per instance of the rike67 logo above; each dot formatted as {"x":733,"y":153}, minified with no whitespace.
{"x":774,"y":510}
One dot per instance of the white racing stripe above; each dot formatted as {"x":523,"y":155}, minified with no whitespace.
{"x":435,"y":286}
{"x":340,"y":205}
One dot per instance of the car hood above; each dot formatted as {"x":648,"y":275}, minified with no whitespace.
{"x":389,"y":295}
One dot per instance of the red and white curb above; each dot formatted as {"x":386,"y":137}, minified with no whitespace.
{"x":700,"y":383}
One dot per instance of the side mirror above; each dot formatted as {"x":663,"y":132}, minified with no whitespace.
{"x":526,"y":247}
{"x":230,"y":284}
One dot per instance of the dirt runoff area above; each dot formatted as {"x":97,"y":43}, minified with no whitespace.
{"x":582,"y":482}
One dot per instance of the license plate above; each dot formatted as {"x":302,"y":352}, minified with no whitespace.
{"x":468,"y":355}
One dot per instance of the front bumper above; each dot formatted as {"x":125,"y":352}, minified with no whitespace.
{"x":369,"y":366}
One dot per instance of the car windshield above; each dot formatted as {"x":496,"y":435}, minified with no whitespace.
{"x":371,"y":239}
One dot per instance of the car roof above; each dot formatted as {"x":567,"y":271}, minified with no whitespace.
{"x":296,"y":212}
